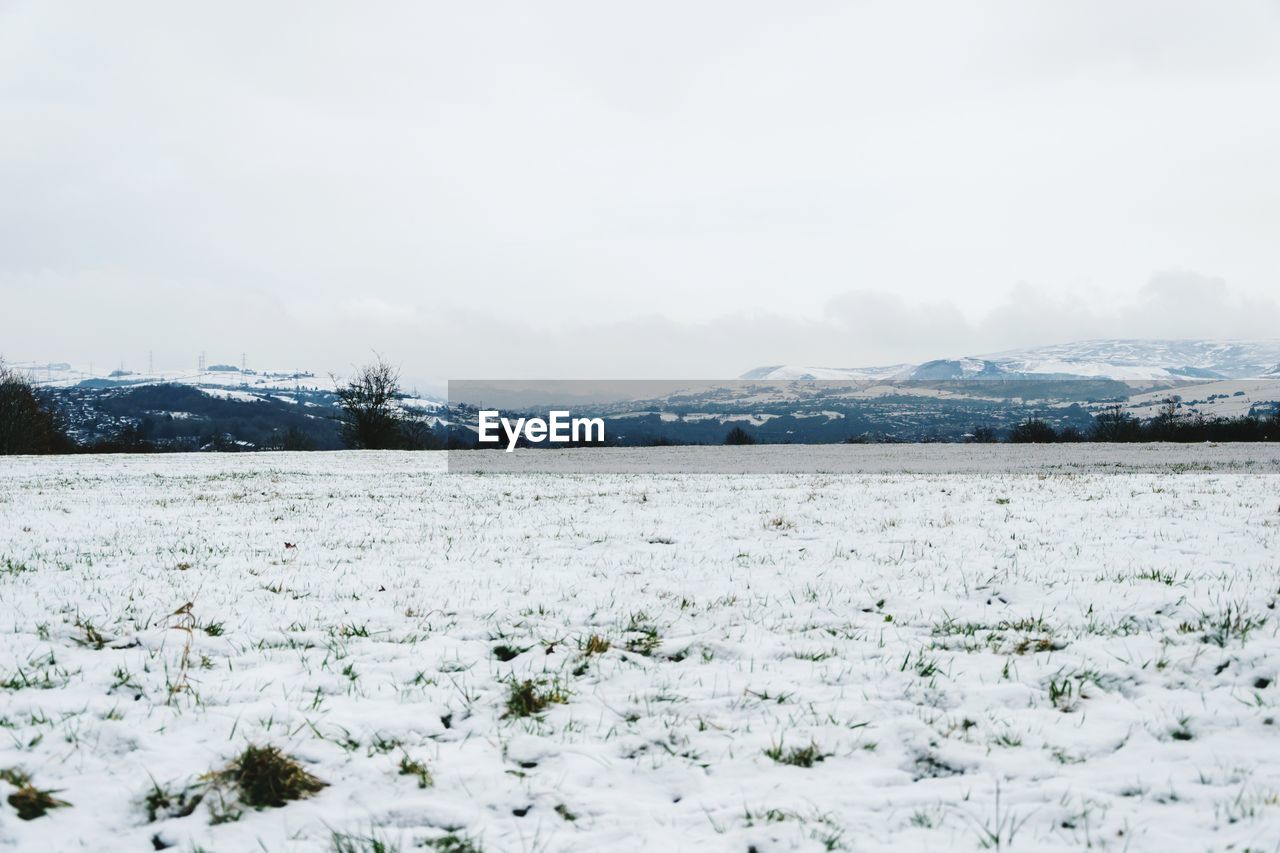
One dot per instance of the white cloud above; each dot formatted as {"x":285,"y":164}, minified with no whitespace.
{"x":234,"y":177}
{"x":455,"y":339}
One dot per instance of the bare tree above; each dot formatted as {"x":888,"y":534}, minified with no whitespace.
{"x":1115,"y":424}
{"x":370,"y":418}
{"x":28,"y":424}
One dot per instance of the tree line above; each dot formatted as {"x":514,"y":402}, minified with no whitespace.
{"x":370,"y":417}
{"x":1114,"y":424}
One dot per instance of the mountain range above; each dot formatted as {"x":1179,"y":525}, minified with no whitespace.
{"x":1128,"y":360}
{"x":229,"y":407}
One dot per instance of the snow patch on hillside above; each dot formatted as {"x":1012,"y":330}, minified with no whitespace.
{"x":1114,"y":359}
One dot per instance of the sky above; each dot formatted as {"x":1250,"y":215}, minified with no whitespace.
{"x":656,"y":190}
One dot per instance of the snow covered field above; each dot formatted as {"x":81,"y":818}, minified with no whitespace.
{"x":878,"y":661}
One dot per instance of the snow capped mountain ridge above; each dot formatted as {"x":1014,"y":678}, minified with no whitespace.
{"x":786,"y":372}
{"x":1124,"y":359}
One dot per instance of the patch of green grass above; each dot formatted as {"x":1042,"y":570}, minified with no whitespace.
{"x":950,"y":627}
{"x":766,"y":816}
{"x":214,"y":629}
{"x":817,"y":656}
{"x":800,"y":756}
{"x":1061,"y":694}
{"x":781,"y":697}
{"x":163,"y":803}
{"x":645,"y":638}
{"x":820,"y":827}
{"x":29,"y":801}
{"x":452,"y":843}
{"x":342,"y":842}
{"x":380,"y":745}
{"x":527,"y":698}
{"x":409,"y":767}
{"x":924,"y":667}
{"x":926,"y":818}
{"x":90,"y":637}
{"x":1061,"y":756}
{"x":124,"y":679}
{"x":1036,"y":644}
{"x":505,"y":653}
{"x":1027,"y":624}
{"x":1233,"y":623}
{"x":41,"y":674}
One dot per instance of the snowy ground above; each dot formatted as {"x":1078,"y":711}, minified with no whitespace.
{"x":881,"y":661}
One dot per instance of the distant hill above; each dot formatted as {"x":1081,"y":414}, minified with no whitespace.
{"x":1129,"y":360}
{"x":222,"y":408}
{"x":172,"y":416}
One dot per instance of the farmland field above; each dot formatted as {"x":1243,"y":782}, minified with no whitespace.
{"x":1032,"y":658}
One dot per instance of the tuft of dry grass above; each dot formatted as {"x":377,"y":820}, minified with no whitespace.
{"x":265,"y":777}
{"x":595,"y":645}
{"x":410,"y":767}
{"x":527,"y":698}
{"x":29,"y":801}
{"x":90,"y":637}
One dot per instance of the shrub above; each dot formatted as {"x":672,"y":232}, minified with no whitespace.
{"x":982,"y":435}
{"x":738,"y":435}
{"x":1032,"y":431}
{"x":296,"y":440}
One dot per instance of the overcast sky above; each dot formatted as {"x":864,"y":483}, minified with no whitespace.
{"x":631,"y":190}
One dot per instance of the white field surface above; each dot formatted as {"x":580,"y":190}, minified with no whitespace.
{"x":1029,"y":660}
